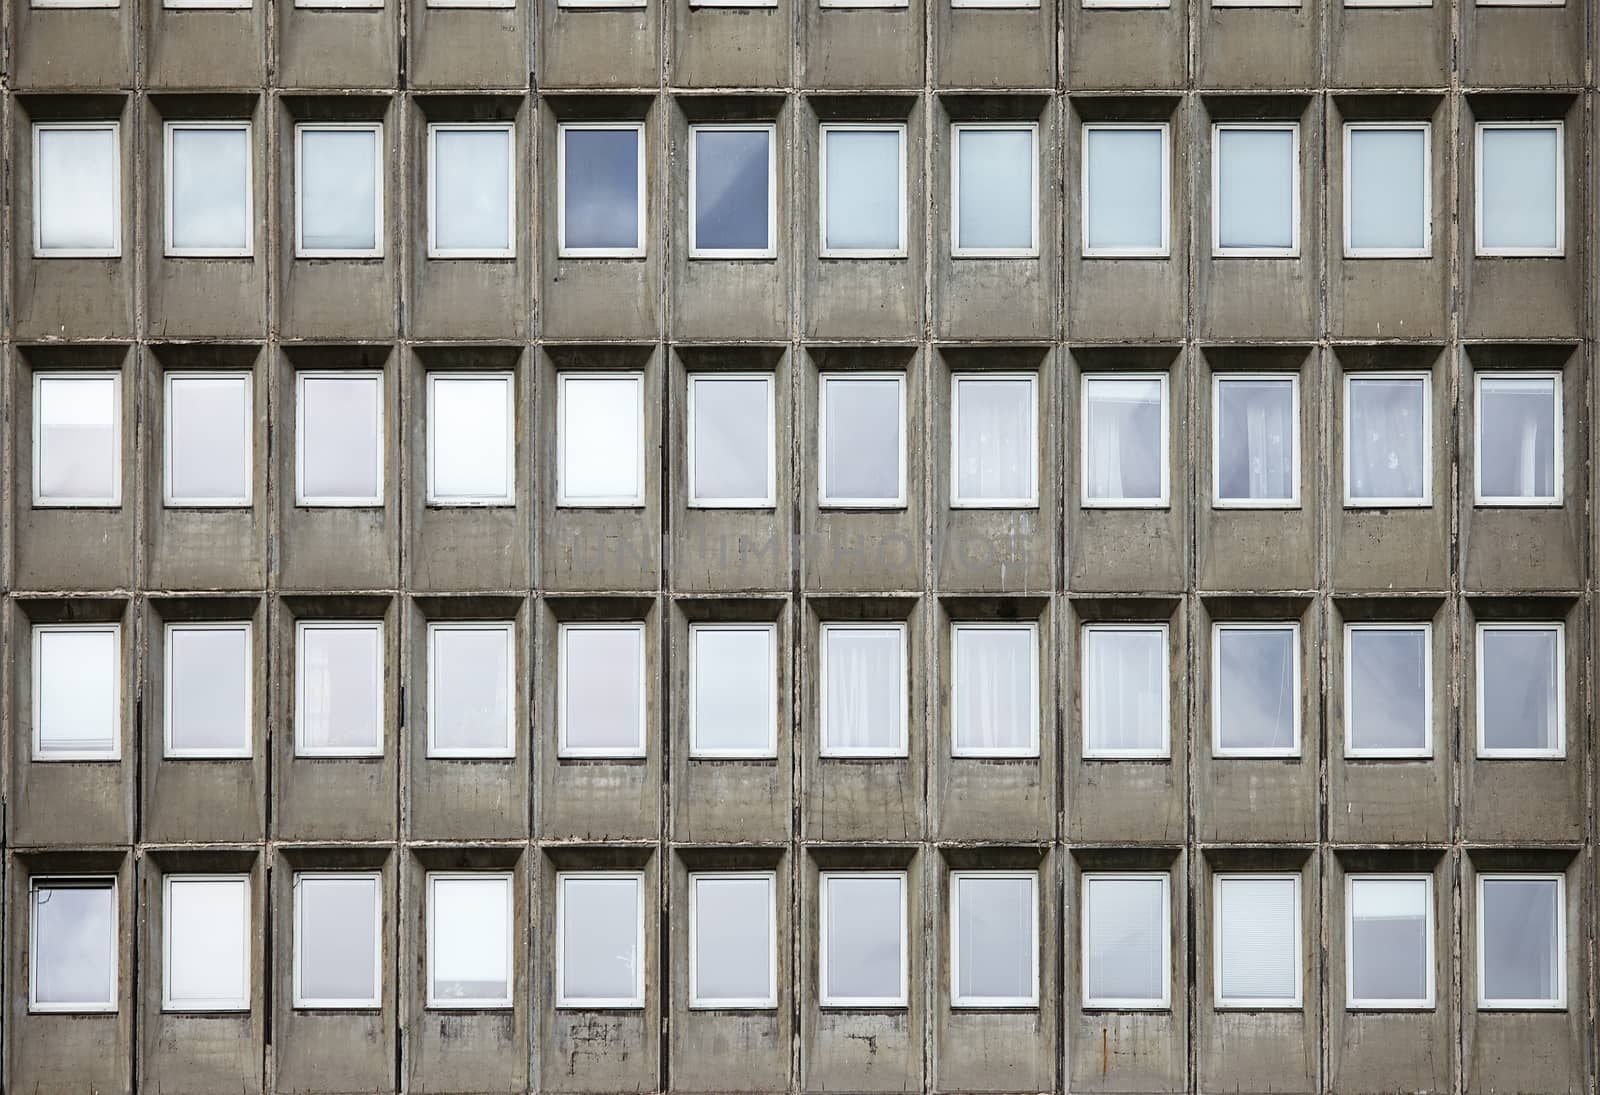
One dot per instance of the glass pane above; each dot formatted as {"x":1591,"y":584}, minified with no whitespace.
{"x":996,"y":183}
{"x":340,"y":437}
{"x":865,"y":929}
{"x":600,"y":920}
{"x":600,"y":438}
{"x":210,"y":689}
{"x":1388,"y":689}
{"x":337,"y":950}
{"x":469,"y":932}
{"x":1517,"y":437}
{"x":1255,"y":440}
{"x":78,"y":691}
{"x":862,"y":437}
{"x":472,"y":189}
{"x":78,"y":449}
{"x":995,"y":943}
{"x":1388,"y":450}
{"x":1388,"y":173}
{"x":1522,"y":947}
{"x":208,"y":942}
{"x":1126,"y":928}
{"x":862,"y":190}
{"x":1125,"y":690}
{"x":602,"y":189}
{"x":210,"y":189}
{"x":1256,"y":689}
{"x":74,"y":945}
{"x":863,"y":678}
{"x":77,"y":197}
{"x":733,"y":945}
{"x":471,"y":456}
{"x":1124,"y":447}
{"x":1389,"y":956}
{"x":733,"y":689}
{"x":471,"y":702}
{"x":603,"y":694}
{"x":1255,"y":188}
{"x":209,"y":437}
{"x":732,"y":438}
{"x":995,"y":710}
{"x":340,"y":676}
{"x":1519,"y":188}
{"x":1520,"y":704}
{"x":1259,"y":937}
{"x":731,"y":187}
{"x":1126,"y":182}
{"x":994,"y":439}
{"x":338,"y":189}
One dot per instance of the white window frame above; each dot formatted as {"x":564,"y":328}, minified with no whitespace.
{"x":1426,"y":129}
{"x":39,"y":500}
{"x":39,"y":756}
{"x":47,"y":4}
{"x":244,"y":501}
{"x":435,"y":251}
{"x":1559,"y":752}
{"x":471,"y":4}
{"x":40,"y":251}
{"x":336,"y":5}
{"x":1560,"y":1001}
{"x":1520,"y":3}
{"x":168,"y":750}
{"x":1010,"y":1003}
{"x":1297,"y":669}
{"x":301,"y":1003}
{"x":602,"y":4}
{"x":598,"y":1003}
{"x":173,"y":251}
{"x":509,"y":749}
{"x":482,"y":501}
{"x":434,"y":1003}
{"x":733,"y":3}
{"x":956,"y":250}
{"x":1558,"y":440}
{"x":768,"y":751}
{"x":735,"y":1003}
{"x":767,"y":252}
{"x":229,"y":1004}
{"x":301,"y":626}
{"x":301,"y":251}
{"x":619,"y":501}
{"x":638,"y":250}
{"x":901,"y":748}
{"x":1255,"y":3}
{"x":301,"y":499}
{"x":823,"y":499}
{"x":900,"y":252}
{"x":899,"y":1000}
{"x":207,"y":5}
{"x":1165,"y":751}
{"x":957,"y":499}
{"x":1031,"y":750}
{"x":770,"y":499}
{"x":1388,"y":3}
{"x":1217,"y":129}
{"x":77,"y":882}
{"x":992,"y":4}
{"x":1352,"y":1001}
{"x":1424,"y":502}
{"x":846,"y":4}
{"x":1426,"y":750}
{"x":1560,"y":126}
{"x":1129,"y":1003}
{"x":1295,"y":454}
{"x":563,"y":748}
{"x":1258,"y":1003}
{"x":1165,"y":129}
{"x":1165,"y":499}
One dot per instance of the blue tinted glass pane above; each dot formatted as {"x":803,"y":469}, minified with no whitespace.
{"x":730,"y":190}
{"x":602,"y":188}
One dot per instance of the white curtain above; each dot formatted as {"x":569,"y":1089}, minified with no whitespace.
{"x":996,"y":439}
{"x":993,"y":688}
{"x":1125,"y":690}
{"x":1386,"y":427}
{"x":863,"y":683}
{"x":1267,"y":440}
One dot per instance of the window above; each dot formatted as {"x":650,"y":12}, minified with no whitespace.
{"x":77,"y":439}
{"x":994,"y":190}
{"x":1125,"y":685}
{"x":73,"y":952}
{"x":1388,"y":690}
{"x":469,"y":939}
{"x":1125,"y":440}
{"x":472,"y":185}
{"x":1521,"y":690}
{"x":1519,"y":439}
{"x":863,"y":684}
{"x":601,"y":3}
{"x":337,"y":4}
{"x":733,"y":945}
{"x":994,"y":454}
{"x":600,"y":423}
{"x":471,"y":439}
{"x":733,"y":690}
{"x":731,"y":461}
{"x":994,"y":939}
{"x":733,"y":191}
{"x":1388,"y":439}
{"x":77,"y":692}
{"x":600,"y":206}
{"x":74,"y":3}
{"x":77,"y":190}
{"x":1258,"y":940}
{"x":733,"y":3}
{"x":1389,"y":941}
{"x":472,"y":709}
{"x":339,"y":186}
{"x":1255,"y":460}
{"x":601,"y":710}
{"x":863,"y":203}
{"x":338,"y":681}
{"x":600,"y":939}
{"x":213,"y":4}
{"x":1091,"y":4}
{"x":1255,"y":693}
{"x":1521,"y":202}
{"x":339,"y":421}
{"x":862,"y":3}
{"x":210,"y":198}
{"x":208,"y":699}
{"x":1391,"y":3}
{"x":1388,"y":190}
{"x":862,"y":952}
{"x":994,"y":690}
{"x":206,"y":942}
{"x":1522,"y":941}
{"x":209,"y":444}
{"x":338,"y":939}
{"x":1127,"y":941}
{"x":1126,"y":181}
{"x":471,"y":3}
{"x":1255,"y":189}
{"x":862,"y":448}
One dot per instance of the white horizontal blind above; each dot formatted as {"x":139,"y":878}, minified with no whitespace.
{"x":1258,"y":932}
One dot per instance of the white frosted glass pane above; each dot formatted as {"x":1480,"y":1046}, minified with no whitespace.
{"x":604,"y":691}
{"x":862,"y":437}
{"x":338,"y":189}
{"x":994,"y":439}
{"x":1519,"y":188}
{"x":471,"y":701}
{"x":1388,"y":689}
{"x":210,"y":682}
{"x":472,"y":189}
{"x":601,"y":186}
{"x":731,"y":186}
{"x":1124,"y":959}
{"x":863,"y":683}
{"x":1256,"y":688}
{"x":1388,"y":180}
{"x":1255,"y":188}
{"x":74,"y":945}
{"x":340,"y":437}
{"x":995,"y":943}
{"x":996,"y":182}
{"x":601,"y":439}
{"x":1256,"y":440}
{"x":863,"y":187}
{"x":77,"y":198}
{"x":471,"y":456}
{"x":1126,"y":181}
{"x":865,"y":928}
{"x":600,"y":920}
{"x":208,"y":942}
{"x":733,"y":689}
{"x":210,"y":189}
{"x":340,"y":677}
{"x":1123,"y":440}
{"x":1389,"y":956}
{"x":78,"y":691}
{"x":1520,"y":689}
{"x":78,"y":455}
{"x":1517,"y":437}
{"x":732,"y":438}
{"x":337,"y":949}
{"x":1125,"y":690}
{"x":994,"y":701}
{"x":1258,"y":933}
{"x":1388,"y":424}
{"x":1522,"y":947}
{"x":469,"y":959}
{"x":207,"y":425}
{"x":733,"y":943}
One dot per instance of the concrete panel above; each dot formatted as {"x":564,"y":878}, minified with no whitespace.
{"x":1120,"y":48}
{"x":338,"y":48}
{"x":1389,"y":47}
{"x":71,"y":48}
{"x":469,"y":48}
{"x":203,"y":47}
{"x":610,"y":46}
{"x":994,"y":48}
{"x":871,"y":47}
{"x":1254,"y":47}
{"x":731,"y":47}
{"x":1513,"y":47}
